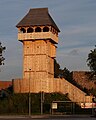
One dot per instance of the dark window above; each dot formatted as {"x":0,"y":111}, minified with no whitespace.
{"x":22,"y":30}
{"x":45,"y":29}
{"x":38,"y":29}
{"x":29,"y":30}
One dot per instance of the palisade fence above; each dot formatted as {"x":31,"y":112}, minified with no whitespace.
{"x":40,"y":103}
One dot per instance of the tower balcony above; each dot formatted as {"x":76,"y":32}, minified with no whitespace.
{"x":38,"y":36}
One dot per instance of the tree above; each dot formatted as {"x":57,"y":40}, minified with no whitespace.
{"x":61,"y":73}
{"x":56,"y":69}
{"x":1,"y":57}
{"x":66,"y":74}
{"x":92,"y":61}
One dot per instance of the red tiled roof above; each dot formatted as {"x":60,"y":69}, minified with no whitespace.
{"x":83,"y":79}
{"x":5,"y":84}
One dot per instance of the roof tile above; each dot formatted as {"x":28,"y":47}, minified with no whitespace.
{"x":37,"y":16}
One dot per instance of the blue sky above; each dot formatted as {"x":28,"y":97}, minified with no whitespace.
{"x":76,"y":20}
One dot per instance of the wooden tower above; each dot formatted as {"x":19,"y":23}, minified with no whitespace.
{"x":39,"y":35}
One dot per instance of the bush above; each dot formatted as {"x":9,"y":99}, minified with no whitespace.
{"x":18,"y":103}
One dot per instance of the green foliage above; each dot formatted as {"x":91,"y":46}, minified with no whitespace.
{"x":92,"y":61}
{"x":1,"y":57}
{"x":14,"y":103}
{"x":66,"y":74}
{"x":49,"y":97}
{"x":62,"y":73}
{"x":18,"y":103}
{"x":56,"y":69}
{"x":93,"y":91}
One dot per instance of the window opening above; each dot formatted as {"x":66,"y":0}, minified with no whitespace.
{"x":22,"y":30}
{"x":38,"y":29}
{"x":29,"y":30}
{"x":45,"y":29}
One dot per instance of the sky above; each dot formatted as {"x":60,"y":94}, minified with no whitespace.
{"x":76,"y":20}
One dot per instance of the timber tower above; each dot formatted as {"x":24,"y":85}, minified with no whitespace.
{"x":39,"y":35}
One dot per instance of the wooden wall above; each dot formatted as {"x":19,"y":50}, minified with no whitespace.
{"x":38,"y":59}
{"x":50,"y":85}
{"x":38,"y":35}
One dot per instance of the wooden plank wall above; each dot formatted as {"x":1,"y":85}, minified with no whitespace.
{"x":39,"y":57}
{"x":50,"y":85}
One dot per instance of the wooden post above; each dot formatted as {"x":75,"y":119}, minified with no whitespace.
{"x":29,"y":94}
